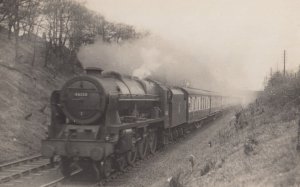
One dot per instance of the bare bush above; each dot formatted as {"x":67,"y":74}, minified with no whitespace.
{"x":209,"y":165}
{"x":176,"y":180}
{"x":249,"y":145}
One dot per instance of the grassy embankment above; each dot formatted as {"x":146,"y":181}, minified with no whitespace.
{"x":24,"y":96}
{"x":261,"y":149}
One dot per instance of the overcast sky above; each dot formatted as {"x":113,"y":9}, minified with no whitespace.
{"x":242,"y":39}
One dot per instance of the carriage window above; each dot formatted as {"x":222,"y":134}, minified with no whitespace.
{"x":200,"y":102}
{"x":207,"y":102}
{"x":194,"y":102}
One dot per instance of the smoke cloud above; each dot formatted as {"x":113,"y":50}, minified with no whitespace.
{"x":151,"y":57}
{"x":236,"y":41}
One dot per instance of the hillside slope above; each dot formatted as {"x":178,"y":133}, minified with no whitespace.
{"x":24,"y":97}
{"x":257,"y":152}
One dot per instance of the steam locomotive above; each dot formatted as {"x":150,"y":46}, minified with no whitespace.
{"x":105,"y":120}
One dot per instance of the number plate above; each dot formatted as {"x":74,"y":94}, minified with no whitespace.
{"x":80,"y":94}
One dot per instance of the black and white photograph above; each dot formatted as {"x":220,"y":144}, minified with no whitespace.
{"x":149,"y":93}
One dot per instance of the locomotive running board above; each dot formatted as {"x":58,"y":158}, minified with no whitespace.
{"x":116,"y":128}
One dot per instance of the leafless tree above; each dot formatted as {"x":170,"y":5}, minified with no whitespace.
{"x":68,"y":25}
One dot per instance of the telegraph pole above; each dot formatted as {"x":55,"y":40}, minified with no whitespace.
{"x":284,"y":62}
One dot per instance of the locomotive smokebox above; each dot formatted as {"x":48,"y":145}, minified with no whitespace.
{"x":83,"y":99}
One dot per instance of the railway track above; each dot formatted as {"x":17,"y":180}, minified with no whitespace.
{"x":59,"y":180}
{"x":20,"y":168}
{"x":23,"y":167}
{"x":117,"y":178}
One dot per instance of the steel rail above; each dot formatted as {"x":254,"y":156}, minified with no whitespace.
{"x":22,"y":167}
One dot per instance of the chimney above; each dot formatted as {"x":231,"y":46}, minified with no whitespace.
{"x":93,"y":71}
